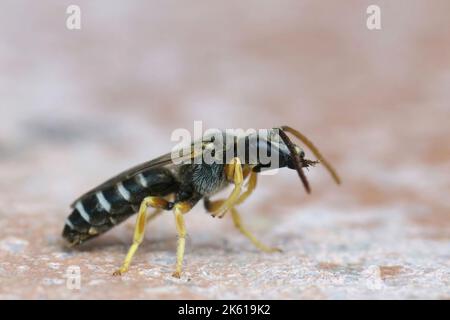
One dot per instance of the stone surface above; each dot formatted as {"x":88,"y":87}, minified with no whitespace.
{"x":80,"y":106}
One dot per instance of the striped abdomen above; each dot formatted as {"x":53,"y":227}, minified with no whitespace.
{"x":97,"y":212}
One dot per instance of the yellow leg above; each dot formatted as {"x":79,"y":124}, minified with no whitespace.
{"x":180,"y":209}
{"x":238,"y":223}
{"x":214,"y":206}
{"x":150,"y":217}
{"x":234,"y":173}
{"x":140,"y":229}
{"x":153,"y":215}
{"x":250,"y":187}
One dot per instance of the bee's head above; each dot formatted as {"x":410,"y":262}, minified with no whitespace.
{"x":298,"y":154}
{"x":280,"y":147}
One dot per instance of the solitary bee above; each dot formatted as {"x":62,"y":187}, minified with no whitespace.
{"x":166,"y":184}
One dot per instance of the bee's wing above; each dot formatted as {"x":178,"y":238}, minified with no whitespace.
{"x":164,"y":160}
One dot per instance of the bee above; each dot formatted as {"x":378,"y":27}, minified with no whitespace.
{"x":165,"y":184}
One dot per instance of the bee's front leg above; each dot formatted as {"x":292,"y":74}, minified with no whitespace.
{"x":233,"y":172}
{"x":214,"y":206}
{"x":238,"y":224}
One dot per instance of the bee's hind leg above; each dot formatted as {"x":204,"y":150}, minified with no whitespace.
{"x":180,"y":209}
{"x":155,"y":202}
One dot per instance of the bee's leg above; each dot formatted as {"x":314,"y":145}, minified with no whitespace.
{"x":238,"y":223}
{"x":180,"y":209}
{"x":141,"y":220}
{"x":233,"y":173}
{"x":158,"y":211}
{"x":213,"y":206}
{"x":251,"y":185}
{"x":153,"y":215}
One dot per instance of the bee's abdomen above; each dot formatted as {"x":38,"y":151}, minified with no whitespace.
{"x":98,"y":212}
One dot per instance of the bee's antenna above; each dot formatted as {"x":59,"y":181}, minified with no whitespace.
{"x":295,"y":159}
{"x":314,"y":150}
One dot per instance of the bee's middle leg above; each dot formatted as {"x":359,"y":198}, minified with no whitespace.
{"x":155,"y":202}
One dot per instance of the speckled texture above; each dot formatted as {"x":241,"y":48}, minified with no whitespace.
{"x":77,"y":107}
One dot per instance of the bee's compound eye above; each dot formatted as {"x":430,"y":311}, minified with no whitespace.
{"x":299,"y":151}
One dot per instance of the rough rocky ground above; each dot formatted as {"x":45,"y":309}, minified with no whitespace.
{"x":79,"y":106}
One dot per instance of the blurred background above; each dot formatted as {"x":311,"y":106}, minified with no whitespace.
{"x":78,"y":106}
